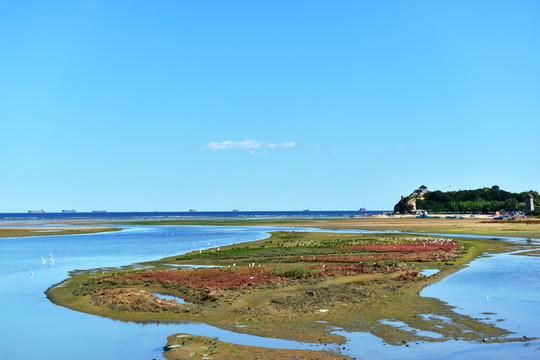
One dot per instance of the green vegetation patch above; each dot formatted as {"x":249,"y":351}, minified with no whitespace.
{"x":483,"y":200}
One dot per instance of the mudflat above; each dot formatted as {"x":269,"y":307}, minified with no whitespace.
{"x":479,"y":224}
{"x":295,"y":285}
{"x":22,"y":231}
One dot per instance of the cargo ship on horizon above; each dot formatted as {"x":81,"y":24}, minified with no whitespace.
{"x":36,"y":211}
{"x":69,"y":211}
{"x":99,"y":211}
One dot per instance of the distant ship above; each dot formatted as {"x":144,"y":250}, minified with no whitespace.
{"x":99,"y":211}
{"x":36,"y":211}
{"x":69,"y":211}
{"x":362,"y":209}
{"x":192,"y":210}
{"x":305,"y":210}
{"x":235,"y":210}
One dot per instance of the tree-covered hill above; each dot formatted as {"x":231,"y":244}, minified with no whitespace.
{"x":484,"y":200}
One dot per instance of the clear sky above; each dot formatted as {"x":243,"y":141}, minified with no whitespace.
{"x":264,"y":105}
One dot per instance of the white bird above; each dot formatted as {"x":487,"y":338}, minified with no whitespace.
{"x":218,"y":248}
{"x":233,"y":265}
{"x":43,"y":261}
{"x":31,"y":274}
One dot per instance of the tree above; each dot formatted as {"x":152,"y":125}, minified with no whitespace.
{"x":511,"y":204}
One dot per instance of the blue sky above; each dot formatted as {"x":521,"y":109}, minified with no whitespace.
{"x":264,"y":105}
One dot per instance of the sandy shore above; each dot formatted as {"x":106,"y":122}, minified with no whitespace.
{"x":20,"y":231}
{"x":479,"y":225}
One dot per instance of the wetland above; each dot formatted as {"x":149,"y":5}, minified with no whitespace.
{"x":318,"y":281}
{"x":271,"y":292}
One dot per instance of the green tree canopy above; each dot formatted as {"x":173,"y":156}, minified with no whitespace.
{"x":483,"y":200}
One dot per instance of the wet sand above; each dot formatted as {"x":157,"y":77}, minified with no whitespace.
{"x":478,"y":225}
{"x":22,"y":231}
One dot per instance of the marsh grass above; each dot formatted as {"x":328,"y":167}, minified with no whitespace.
{"x":296,"y":271}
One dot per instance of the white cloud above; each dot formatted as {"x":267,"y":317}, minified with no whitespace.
{"x":247,"y":145}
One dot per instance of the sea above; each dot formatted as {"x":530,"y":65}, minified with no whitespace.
{"x":306,"y":214}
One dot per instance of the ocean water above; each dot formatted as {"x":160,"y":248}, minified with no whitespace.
{"x":144,"y":215}
{"x":34,"y":328}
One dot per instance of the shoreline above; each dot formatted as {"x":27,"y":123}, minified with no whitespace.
{"x":480,"y":225}
{"x":10,"y":231}
{"x":407,"y":223}
{"x":388,"y":292}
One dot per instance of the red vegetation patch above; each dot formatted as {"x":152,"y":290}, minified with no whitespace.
{"x":405,"y":256}
{"x":425,"y":249}
{"x":414,"y":247}
{"x":209,"y":278}
{"x":345,"y":270}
